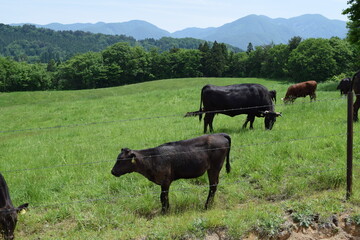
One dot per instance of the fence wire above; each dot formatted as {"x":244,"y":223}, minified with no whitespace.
{"x":113,"y":198}
{"x":157,"y":117}
{"x":177,"y":153}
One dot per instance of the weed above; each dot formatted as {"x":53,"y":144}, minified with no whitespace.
{"x":199,"y":226}
{"x":269,"y":227}
{"x":304,"y":219}
{"x":355,"y":219}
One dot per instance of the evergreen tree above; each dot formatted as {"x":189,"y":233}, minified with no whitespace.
{"x":250,"y":48}
{"x":218,"y":61}
{"x":294,"y":42}
{"x":205,"y":58}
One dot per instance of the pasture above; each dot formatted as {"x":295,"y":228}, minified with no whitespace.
{"x":57,"y":149}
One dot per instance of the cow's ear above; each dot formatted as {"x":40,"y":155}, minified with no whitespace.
{"x":125,"y":150}
{"x":264,"y":113}
{"x":22,"y":207}
{"x":278,"y":114}
{"x":132,"y":156}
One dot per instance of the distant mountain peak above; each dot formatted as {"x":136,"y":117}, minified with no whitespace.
{"x":260,"y":30}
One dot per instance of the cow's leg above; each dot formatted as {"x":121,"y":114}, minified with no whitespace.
{"x":356,"y":108}
{"x":313,"y":97}
{"x":208,"y":120}
{"x":251,"y":119}
{"x":164,"y":198}
{"x":246,"y":122}
{"x":213,"y":176}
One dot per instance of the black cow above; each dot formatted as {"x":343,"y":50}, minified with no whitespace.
{"x":255,"y":100}
{"x":175,"y":160}
{"x":273,"y":95}
{"x":344,"y":86}
{"x":8,"y":214}
{"x":355,"y":85}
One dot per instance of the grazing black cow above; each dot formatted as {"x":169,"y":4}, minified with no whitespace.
{"x":255,"y":100}
{"x":302,"y":89}
{"x":355,"y":85}
{"x":175,"y":160}
{"x":273,"y":95}
{"x":344,"y":86}
{"x":8,"y":214}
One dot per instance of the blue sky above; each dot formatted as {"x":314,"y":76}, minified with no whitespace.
{"x":171,"y":15}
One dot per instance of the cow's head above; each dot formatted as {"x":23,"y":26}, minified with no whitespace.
{"x":125,"y":163}
{"x":344,"y":84}
{"x":288,"y":99}
{"x":270,"y":118}
{"x":8,"y":220}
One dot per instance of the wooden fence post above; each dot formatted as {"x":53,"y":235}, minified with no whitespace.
{"x":349,"y":168}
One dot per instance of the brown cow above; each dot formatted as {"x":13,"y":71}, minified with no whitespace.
{"x":8,"y":214}
{"x":301,"y":90}
{"x":175,"y":160}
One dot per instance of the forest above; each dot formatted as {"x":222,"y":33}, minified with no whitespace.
{"x":39,"y":45}
{"x":60,"y":61}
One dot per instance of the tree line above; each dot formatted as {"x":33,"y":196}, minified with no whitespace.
{"x":300,"y":60}
{"x":30,"y":44}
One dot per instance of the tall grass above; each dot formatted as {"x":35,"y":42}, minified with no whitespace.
{"x":57,"y":150}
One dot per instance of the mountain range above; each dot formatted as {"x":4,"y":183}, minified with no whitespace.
{"x":257,"y":29}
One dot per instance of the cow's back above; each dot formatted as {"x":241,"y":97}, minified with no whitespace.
{"x":344,"y":84}
{"x":5,"y":200}
{"x":239,"y":96}
{"x":311,"y":86}
{"x":193,"y":157}
{"x":302,"y":89}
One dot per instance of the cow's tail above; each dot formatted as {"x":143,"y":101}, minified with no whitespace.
{"x":200,"y":112}
{"x":201,"y":102}
{"x":228,"y":167}
{"x":192,"y":114}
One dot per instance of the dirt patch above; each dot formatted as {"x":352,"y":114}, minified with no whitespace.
{"x":337,"y":228}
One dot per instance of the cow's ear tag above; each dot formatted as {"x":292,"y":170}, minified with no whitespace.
{"x":23,"y":211}
{"x":133,"y":161}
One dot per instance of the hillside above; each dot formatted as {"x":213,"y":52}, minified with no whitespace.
{"x":136,"y":28}
{"x":256,"y":29}
{"x":58,"y":148}
{"x":33,"y":44}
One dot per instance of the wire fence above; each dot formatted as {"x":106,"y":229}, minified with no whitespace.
{"x":113,"y":198}
{"x":158,"y":117}
{"x":177,"y":153}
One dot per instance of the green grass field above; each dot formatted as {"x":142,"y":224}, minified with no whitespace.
{"x":57,"y":149}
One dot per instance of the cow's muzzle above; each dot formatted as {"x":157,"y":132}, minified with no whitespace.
{"x":113,"y":172}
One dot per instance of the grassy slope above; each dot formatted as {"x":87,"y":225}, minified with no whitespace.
{"x":291,"y":167}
